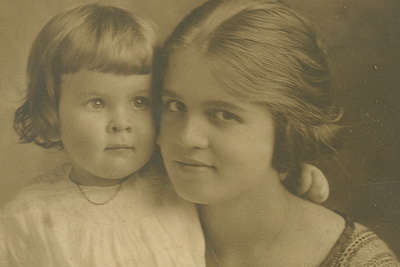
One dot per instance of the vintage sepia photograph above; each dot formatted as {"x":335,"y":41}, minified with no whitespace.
{"x":200,"y":133}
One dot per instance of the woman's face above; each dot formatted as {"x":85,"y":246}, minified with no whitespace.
{"x":216,"y":146}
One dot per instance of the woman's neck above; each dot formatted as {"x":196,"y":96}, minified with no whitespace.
{"x":269,"y":227}
{"x":251,"y":225}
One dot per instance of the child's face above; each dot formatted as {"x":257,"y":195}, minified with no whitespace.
{"x":106,"y":123}
{"x":216,"y":147}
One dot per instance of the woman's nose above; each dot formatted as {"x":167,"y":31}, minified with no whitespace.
{"x":192,"y":134}
{"x":119,"y":121}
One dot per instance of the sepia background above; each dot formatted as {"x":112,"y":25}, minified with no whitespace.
{"x":363,"y":38}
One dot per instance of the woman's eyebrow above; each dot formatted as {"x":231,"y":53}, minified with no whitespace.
{"x":169,"y":93}
{"x":224,"y":105}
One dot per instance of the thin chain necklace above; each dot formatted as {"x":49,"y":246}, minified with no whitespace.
{"x":103,"y":202}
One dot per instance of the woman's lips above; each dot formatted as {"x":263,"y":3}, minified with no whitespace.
{"x":193,"y":163}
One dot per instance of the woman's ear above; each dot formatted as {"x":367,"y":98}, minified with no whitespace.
{"x":308,"y":182}
{"x":312,"y":184}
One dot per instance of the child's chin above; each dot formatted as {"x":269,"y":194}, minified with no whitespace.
{"x":117,"y":171}
{"x":118,"y":176}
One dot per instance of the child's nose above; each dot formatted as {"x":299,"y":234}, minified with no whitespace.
{"x":119,"y":122}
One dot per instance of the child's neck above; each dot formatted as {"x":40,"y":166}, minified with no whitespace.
{"x":81,"y":177}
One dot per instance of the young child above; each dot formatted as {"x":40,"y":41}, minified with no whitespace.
{"x":89,"y":93}
{"x":89,"y":81}
{"x":247,"y":99}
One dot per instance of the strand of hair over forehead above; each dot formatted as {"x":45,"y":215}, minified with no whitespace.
{"x":206,"y":24}
{"x":213,"y":16}
{"x":210,"y":23}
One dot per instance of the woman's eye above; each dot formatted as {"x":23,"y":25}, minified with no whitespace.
{"x":141,"y":102}
{"x":225,"y":116}
{"x":175,"y":106}
{"x":97,"y":104}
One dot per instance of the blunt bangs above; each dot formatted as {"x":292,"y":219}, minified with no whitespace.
{"x":111,"y":43}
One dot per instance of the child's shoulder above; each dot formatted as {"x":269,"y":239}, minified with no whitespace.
{"x":359,"y":246}
{"x":38,"y":190}
{"x":59,"y":173}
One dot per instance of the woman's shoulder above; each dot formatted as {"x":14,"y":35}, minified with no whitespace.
{"x":359,"y":246}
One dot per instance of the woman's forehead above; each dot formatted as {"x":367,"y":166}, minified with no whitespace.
{"x":188,"y":67}
{"x":191,"y":71}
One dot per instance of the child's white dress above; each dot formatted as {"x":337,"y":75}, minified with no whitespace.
{"x":50,"y":223}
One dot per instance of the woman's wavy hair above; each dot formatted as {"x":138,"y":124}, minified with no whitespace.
{"x":266,"y":53}
{"x":92,"y":37}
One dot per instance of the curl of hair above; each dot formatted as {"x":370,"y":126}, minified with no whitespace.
{"x":266,"y":53}
{"x":90,"y":37}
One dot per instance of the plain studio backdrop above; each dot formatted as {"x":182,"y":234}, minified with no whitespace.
{"x":363,"y":38}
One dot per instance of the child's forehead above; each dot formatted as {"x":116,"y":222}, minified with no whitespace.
{"x":86,"y":82}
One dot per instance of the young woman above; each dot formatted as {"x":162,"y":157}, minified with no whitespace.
{"x":245,"y":89}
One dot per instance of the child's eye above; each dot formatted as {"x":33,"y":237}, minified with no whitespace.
{"x":224,"y":116}
{"x":97,"y":103}
{"x":141,"y":102}
{"x":175,"y":106}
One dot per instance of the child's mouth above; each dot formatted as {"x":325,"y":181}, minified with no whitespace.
{"x":119,"y":148}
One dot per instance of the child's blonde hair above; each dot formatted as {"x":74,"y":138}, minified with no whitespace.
{"x":91,"y":37}
{"x":265,"y":53}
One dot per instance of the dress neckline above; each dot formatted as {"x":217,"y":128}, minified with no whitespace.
{"x":341,"y":243}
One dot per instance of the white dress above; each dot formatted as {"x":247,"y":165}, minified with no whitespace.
{"x":50,"y":223}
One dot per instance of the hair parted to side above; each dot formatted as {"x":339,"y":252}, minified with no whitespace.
{"x":91,"y":37}
{"x":266,"y":53}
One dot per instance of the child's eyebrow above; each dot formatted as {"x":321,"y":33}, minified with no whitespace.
{"x":110,"y":92}
{"x":87,"y":94}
